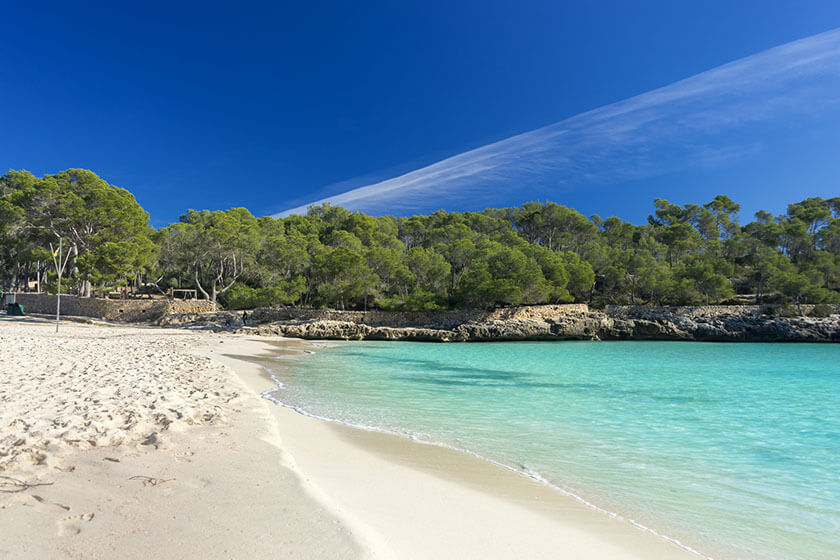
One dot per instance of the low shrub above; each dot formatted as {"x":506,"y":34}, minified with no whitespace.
{"x":821,"y":310}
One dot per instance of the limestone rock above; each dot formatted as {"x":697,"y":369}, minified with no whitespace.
{"x":538,"y":322}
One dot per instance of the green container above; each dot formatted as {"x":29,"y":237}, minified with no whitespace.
{"x":15,"y":309}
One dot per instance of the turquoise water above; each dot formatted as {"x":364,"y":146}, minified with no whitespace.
{"x":731,"y":449}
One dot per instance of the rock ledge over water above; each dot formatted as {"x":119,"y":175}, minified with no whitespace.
{"x":736,"y":323}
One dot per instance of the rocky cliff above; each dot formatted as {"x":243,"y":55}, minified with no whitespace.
{"x":549,"y":322}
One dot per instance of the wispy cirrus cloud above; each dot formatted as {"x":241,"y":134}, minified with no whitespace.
{"x":707,"y":120}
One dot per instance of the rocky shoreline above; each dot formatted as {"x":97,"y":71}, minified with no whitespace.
{"x":548,"y":322}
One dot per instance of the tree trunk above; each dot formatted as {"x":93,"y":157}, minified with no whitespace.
{"x":199,"y":286}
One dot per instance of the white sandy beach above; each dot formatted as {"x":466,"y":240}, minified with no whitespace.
{"x":136,"y":442}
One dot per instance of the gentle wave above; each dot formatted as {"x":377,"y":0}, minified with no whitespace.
{"x":269,"y":394}
{"x":728,"y":449}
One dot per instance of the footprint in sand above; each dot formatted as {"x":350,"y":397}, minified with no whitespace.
{"x":41,"y":500}
{"x":184,"y":456}
{"x":73,"y":525}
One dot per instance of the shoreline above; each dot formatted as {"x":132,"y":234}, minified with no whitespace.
{"x":349,"y":433}
{"x":265,"y":480}
{"x":564,"y":519}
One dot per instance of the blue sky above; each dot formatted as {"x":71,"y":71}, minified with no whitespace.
{"x":272,"y":106}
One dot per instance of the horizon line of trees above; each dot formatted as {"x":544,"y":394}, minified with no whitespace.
{"x":540,"y":252}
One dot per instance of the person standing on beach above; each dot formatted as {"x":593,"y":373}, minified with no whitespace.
{"x":244,"y":318}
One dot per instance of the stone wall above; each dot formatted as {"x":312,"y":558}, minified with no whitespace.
{"x":130,"y":310}
{"x":191,"y":306}
{"x":446,"y":319}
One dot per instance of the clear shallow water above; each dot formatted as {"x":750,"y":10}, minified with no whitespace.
{"x":733,"y":449}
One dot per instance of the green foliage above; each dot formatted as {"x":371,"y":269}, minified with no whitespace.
{"x":581,"y":275}
{"x":709,"y":277}
{"x":211,"y":249}
{"x":103,"y":226}
{"x":821,"y":310}
{"x":541,"y":252}
{"x":342,"y":277}
{"x":241,"y":296}
{"x":68,"y":285}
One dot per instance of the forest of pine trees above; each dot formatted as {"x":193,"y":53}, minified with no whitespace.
{"x":331,"y":257}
